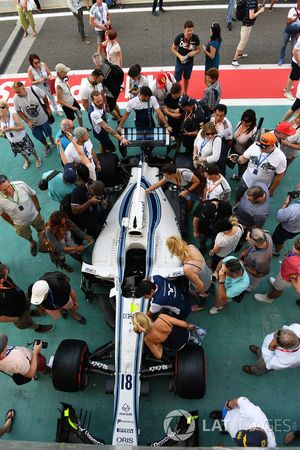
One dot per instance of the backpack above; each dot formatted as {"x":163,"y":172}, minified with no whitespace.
{"x":241,"y":9}
{"x":117,"y":72}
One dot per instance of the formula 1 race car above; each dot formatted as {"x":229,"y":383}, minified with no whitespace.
{"x":131,"y":246}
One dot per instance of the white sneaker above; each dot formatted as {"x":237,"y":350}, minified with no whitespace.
{"x":243,"y":55}
{"x":235,"y":63}
{"x":289,"y":95}
{"x":26,"y":164}
{"x":263,"y":298}
{"x":215,"y":310}
{"x":50,"y":363}
{"x":272,"y":281}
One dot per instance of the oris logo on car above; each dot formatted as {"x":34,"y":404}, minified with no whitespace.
{"x":124,"y":440}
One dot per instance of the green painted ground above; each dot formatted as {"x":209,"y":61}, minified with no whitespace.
{"x":226,"y":345}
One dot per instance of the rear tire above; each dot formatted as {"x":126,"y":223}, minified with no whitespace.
{"x":190,"y":379}
{"x":69,"y":366}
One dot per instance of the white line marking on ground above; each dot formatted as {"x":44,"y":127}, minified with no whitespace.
{"x":24,"y":48}
{"x":138,"y":10}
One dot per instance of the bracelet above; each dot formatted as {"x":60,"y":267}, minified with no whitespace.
{"x":221,"y":282}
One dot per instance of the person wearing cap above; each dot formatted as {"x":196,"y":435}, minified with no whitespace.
{"x":101,"y":130}
{"x":266,"y":163}
{"x":288,"y":217}
{"x":161,"y":86}
{"x":76,"y":7}
{"x":258,"y":256}
{"x":289,"y":140}
{"x":88,"y":207}
{"x":90,"y":84}
{"x":81,"y":149}
{"x":29,"y":104}
{"x":246,"y":423}
{"x":195,"y":115}
{"x":288,"y":276}
{"x":143,"y":105}
{"x":20,"y":207}
{"x":100,"y":21}
{"x":254,"y":206}
{"x":69,"y":104}
{"x":14,"y":306}
{"x":22,"y":360}
{"x":53,"y":293}
{"x":280,"y":350}
{"x":232,"y":280}
{"x":61,"y":184}
{"x":185,"y":47}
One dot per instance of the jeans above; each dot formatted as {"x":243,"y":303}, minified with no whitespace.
{"x":230,"y":10}
{"x":40,"y":131}
{"x":79,"y":18}
{"x":285,"y":40}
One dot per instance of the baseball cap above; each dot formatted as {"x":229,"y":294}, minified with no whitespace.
{"x":62,"y":68}
{"x":3,"y":342}
{"x":161,"y":80}
{"x":185,"y":100}
{"x":255,"y":437}
{"x":79,"y":132}
{"x":69,"y":175}
{"x":286,"y":128}
{"x":39,"y":289}
{"x":268,"y":139}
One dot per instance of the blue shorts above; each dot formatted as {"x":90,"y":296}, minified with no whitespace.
{"x":40,"y":131}
{"x":183,"y":69}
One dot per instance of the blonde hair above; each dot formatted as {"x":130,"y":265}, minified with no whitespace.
{"x":234,"y":221}
{"x":178,"y":247}
{"x":208,"y":127}
{"x":140,"y":319}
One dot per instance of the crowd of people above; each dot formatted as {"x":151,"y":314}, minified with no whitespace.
{"x":230,"y":252}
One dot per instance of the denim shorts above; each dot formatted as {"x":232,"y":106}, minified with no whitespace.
{"x":40,"y":131}
{"x":100,"y":36}
{"x":183,"y":69}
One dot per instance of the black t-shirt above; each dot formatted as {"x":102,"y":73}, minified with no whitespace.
{"x":200,"y":115}
{"x":172,"y":103}
{"x":251,"y":4}
{"x":59,"y":293}
{"x":13,"y":301}
{"x":79,"y":196}
{"x":185,"y":46}
{"x":207,"y":213}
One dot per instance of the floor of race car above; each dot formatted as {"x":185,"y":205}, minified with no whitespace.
{"x":226,"y":344}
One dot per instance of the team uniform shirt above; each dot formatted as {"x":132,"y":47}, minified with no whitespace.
{"x":263,"y":166}
{"x":280,"y":358}
{"x":219,"y":189}
{"x":260,"y":259}
{"x":235,"y":286}
{"x":297,"y":48}
{"x":97,"y":116}
{"x":185,"y":46}
{"x":73,"y":157}
{"x":250,"y":213}
{"x":18,"y":360}
{"x":210,"y":149}
{"x":143,"y":111}
{"x":246,"y":416}
{"x":167,"y":296}
{"x":289,"y":217}
{"x":30,"y":106}
{"x":57,"y":188}
{"x":100,"y":14}
{"x":290,"y":266}
{"x":86,"y":88}
{"x":224,"y":128}
{"x":20,"y":207}
{"x":12,"y":299}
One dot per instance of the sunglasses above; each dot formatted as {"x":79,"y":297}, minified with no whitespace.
{"x":3,"y":178}
{"x":210,"y":134}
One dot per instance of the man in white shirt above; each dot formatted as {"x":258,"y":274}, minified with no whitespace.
{"x":280,"y":350}
{"x":98,"y":120}
{"x":222,"y":124}
{"x":76,"y":7}
{"x":217,"y":187}
{"x":19,"y":206}
{"x":90,"y":84}
{"x":72,"y":155}
{"x":267,"y":164}
{"x":246,"y":423}
{"x":100,"y":21}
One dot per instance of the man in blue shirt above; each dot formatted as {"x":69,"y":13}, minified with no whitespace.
{"x":233,"y":280}
{"x":61,"y":184}
{"x":66,"y":125}
{"x":164,"y":297}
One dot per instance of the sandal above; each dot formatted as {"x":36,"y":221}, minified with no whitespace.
{"x":80,"y":319}
{"x":33,"y":248}
{"x":26,"y":164}
{"x":10,"y":415}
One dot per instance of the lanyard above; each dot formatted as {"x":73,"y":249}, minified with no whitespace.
{"x":202,"y":146}
{"x":208,"y":191}
{"x":11,"y":199}
{"x":100,"y":9}
{"x":260,"y":161}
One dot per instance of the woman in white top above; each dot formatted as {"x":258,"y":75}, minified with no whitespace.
{"x":228,"y":237}
{"x":136,"y":80}
{"x":243,"y":138}
{"x":69,"y":105}
{"x":207,"y":146}
{"x":113,"y":49}
{"x":194,"y":267}
{"x":12,"y":127}
{"x":39,"y":75}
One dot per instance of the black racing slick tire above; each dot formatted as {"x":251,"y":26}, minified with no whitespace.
{"x":69,"y":371}
{"x":190,"y":378}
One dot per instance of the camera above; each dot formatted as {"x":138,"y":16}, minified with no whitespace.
{"x":38,"y":341}
{"x":294,"y":194}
